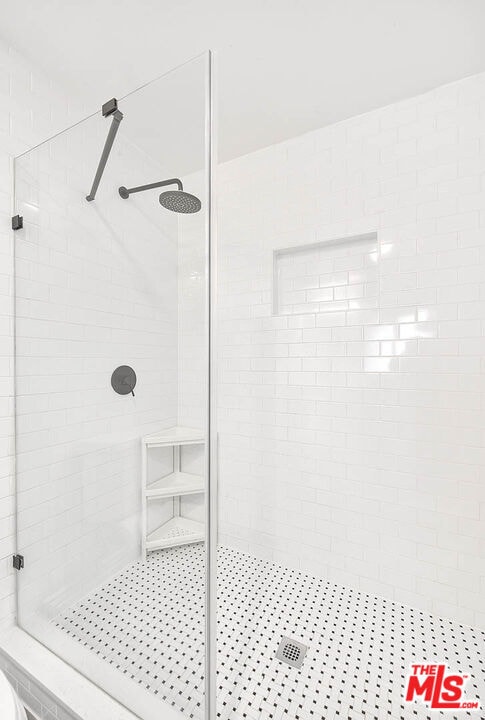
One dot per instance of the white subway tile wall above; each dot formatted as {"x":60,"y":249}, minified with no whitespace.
{"x":352,"y":437}
{"x":31,"y":109}
{"x":192,"y":312}
{"x":96,"y":288}
{"x":192,"y":361}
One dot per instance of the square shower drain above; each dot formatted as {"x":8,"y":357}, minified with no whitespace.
{"x":291,"y":652}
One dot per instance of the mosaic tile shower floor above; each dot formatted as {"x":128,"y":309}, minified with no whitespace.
{"x":149,"y":623}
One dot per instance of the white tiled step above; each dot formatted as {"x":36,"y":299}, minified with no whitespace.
{"x":175,"y":436}
{"x":177,"y":483}
{"x":177,"y":531}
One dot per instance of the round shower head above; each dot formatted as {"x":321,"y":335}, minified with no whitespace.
{"x":180,"y":201}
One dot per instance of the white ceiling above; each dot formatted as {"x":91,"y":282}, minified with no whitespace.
{"x":284,"y":66}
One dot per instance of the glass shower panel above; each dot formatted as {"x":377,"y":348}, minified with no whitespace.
{"x":111,"y":486}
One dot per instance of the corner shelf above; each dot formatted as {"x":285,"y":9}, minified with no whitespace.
{"x":174,"y":436}
{"x":176,"y":483}
{"x":178,"y":530}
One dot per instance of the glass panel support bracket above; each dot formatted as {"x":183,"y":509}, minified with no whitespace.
{"x":109,"y":109}
{"x":17,"y":222}
{"x":18,"y":562}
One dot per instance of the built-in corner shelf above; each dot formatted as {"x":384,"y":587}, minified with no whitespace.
{"x":177,"y":483}
{"x":174,"y":436}
{"x":178,"y":530}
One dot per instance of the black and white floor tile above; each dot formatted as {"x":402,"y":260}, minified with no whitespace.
{"x":149,"y":623}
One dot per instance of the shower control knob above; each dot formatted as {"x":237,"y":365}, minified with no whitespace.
{"x":123,"y":380}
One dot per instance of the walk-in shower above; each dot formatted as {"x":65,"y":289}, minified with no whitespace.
{"x":111,"y":324}
{"x":342,"y":372}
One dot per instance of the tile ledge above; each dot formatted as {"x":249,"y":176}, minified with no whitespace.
{"x":68,"y":687}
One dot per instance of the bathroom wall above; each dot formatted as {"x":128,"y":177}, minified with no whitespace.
{"x":192,"y":333}
{"x":352,"y":394}
{"x":31,"y":109}
{"x":96,"y":287}
{"x":192,"y":321}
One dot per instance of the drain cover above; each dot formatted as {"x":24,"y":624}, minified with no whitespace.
{"x":291,"y":652}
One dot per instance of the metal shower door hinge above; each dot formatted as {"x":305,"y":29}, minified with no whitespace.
{"x":18,"y":562}
{"x":17,"y":222}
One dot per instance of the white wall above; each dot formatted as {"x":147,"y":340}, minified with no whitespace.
{"x":96,"y":287}
{"x":31,"y":109}
{"x":192,"y":320}
{"x":192,"y":334}
{"x":352,"y":424}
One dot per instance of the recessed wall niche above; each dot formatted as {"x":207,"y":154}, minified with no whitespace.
{"x":329,"y":276}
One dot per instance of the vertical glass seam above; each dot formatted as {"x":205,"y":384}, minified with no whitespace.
{"x":212,"y":450}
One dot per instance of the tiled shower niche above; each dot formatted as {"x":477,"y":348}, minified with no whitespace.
{"x":327,"y":277}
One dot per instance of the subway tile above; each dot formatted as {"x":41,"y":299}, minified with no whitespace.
{"x":406,"y":369}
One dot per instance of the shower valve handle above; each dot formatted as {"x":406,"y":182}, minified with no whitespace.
{"x":123,"y":380}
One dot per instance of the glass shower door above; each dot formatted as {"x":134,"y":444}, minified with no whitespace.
{"x":112,"y":475}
